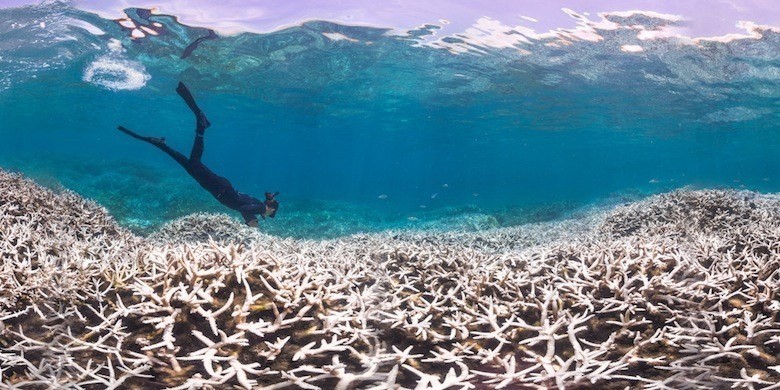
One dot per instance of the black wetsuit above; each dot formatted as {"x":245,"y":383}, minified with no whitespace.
{"x":217,"y":185}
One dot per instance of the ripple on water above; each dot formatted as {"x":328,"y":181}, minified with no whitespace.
{"x":116,"y":74}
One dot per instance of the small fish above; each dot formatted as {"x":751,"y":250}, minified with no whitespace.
{"x":383,"y":196}
{"x":422,"y":206}
{"x":435,"y":194}
{"x":475,"y":194}
{"x":765,"y":179}
{"x":412,"y":218}
{"x":445,"y":185}
{"x":654,"y":181}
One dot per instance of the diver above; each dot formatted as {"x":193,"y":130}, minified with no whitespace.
{"x":217,"y":185}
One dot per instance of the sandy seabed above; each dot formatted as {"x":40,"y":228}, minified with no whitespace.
{"x":680,"y":290}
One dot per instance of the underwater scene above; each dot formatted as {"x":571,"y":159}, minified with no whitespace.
{"x":351,"y":194}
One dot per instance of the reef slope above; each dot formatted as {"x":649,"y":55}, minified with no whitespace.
{"x":678,"y":290}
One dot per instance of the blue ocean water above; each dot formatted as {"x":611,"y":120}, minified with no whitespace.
{"x":381,"y":130}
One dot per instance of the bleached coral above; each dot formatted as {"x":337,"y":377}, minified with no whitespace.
{"x":200,"y":227}
{"x":679,"y":290}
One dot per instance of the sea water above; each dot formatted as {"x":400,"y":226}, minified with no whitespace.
{"x":365,"y":128}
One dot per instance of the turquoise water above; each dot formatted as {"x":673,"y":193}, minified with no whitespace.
{"x":381,"y":130}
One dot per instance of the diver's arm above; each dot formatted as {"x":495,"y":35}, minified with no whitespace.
{"x":250,"y":211}
{"x":249,"y":218}
{"x":273,"y":205}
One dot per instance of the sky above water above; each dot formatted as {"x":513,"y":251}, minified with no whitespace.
{"x":703,"y":18}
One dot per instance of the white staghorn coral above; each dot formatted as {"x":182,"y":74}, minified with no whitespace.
{"x":201,"y":227}
{"x":679,"y":290}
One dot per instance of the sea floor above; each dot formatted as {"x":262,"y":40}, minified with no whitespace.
{"x":678,"y":290}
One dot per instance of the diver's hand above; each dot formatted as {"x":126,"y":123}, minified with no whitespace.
{"x":252,"y":223}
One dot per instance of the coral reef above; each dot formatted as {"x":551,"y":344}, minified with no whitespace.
{"x":164,"y":194}
{"x":201,"y":227}
{"x":48,"y":239}
{"x":676,"y":291}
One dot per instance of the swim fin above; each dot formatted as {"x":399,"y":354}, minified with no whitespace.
{"x":151,"y":140}
{"x":200,"y":117}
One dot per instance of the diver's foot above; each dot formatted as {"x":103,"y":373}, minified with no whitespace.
{"x":203,"y":122}
{"x":157,"y":141}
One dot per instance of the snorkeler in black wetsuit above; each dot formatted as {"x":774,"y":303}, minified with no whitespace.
{"x":217,"y":185}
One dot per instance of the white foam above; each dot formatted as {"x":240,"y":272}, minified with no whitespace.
{"x":754,"y":31}
{"x":735,"y":114}
{"x":666,"y":33}
{"x":339,"y":37}
{"x":85,"y":26}
{"x":649,"y":14}
{"x":116,"y":74}
{"x":632,"y":48}
{"x":115,"y":45}
{"x":491,"y":33}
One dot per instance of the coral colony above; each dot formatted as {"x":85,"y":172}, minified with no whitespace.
{"x":677,"y":291}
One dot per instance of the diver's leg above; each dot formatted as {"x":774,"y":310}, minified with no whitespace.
{"x":201,"y":122}
{"x":200,"y":125}
{"x":197,"y":148}
{"x":159,"y":143}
